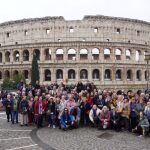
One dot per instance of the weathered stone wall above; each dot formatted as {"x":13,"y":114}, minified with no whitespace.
{"x":91,"y":32}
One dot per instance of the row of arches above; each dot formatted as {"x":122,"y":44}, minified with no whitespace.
{"x":95,"y":74}
{"x":7,"y":74}
{"x":83,"y":74}
{"x":71,"y":54}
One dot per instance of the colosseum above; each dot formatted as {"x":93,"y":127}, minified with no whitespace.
{"x":108,"y":51}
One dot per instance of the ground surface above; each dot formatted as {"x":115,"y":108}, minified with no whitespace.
{"x":14,"y":137}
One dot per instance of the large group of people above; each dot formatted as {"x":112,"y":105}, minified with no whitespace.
{"x":78,"y":105}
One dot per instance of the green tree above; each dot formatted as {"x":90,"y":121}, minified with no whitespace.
{"x":34,"y":71}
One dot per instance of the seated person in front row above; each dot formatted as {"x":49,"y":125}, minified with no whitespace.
{"x":75,"y":113}
{"x":105,"y":117}
{"x":94,"y":115}
{"x":143,"y":125}
{"x":66,"y":121}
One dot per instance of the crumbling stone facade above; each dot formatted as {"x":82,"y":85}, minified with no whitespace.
{"x":108,"y":51}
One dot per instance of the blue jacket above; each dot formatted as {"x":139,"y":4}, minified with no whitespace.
{"x":63,"y":119}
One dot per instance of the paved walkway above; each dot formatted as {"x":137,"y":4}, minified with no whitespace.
{"x":14,"y":137}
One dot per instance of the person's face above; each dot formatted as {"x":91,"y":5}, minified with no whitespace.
{"x":94,"y":107}
{"x":141,"y":114}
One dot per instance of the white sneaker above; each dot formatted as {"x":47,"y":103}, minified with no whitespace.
{"x":49,"y":126}
{"x":53,"y":126}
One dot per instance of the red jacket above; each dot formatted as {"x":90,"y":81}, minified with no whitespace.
{"x":36,"y":106}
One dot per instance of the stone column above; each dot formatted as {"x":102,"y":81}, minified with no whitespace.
{"x":78,"y":54}
{"x":89,"y":54}
{"x":42,"y":56}
{"x":89,"y":73}
{"x":31,"y":54}
{"x":123,"y":55}
{"x":65,"y":54}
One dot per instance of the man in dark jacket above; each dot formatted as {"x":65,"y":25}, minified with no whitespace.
{"x":8,"y":107}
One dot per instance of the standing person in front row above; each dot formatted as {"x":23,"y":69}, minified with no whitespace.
{"x":23,"y":108}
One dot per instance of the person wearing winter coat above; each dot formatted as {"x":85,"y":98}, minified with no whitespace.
{"x":105,"y":117}
{"x":143,"y":125}
{"x":94,"y":115}
{"x":23,"y":108}
{"x":114,"y":119}
{"x":50,"y":111}
{"x":147,"y":111}
{"x":66,"y":121}
{"x":15,"y":109}
{"x":8,"y":107}
{"x":75,"y":113}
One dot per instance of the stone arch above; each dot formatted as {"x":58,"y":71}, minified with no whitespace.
{"x":137,"y":55}
{"x":59,"y":74}
{"x":118,"y":54}
{"x":128,"y":54}
{"x":129,"y":74}
{"x":95,"y":54}
{"x":59,"y":54}
{"x":26,"y":55}
{"x":47,"y":75}
{"x":106,"y":53}
{"x":7,"y":56}
{"x":26,"y":74}
{"x":37,"y":53}
{"x":71,"y":74}
{"x":95,"y":74}
{"x":83,"y":74}
{"x":15,"y":72}
{"x":1,"y":57}
{"x":71,"y":54}
{"x":107,"y":74}
{"x":16,"y":56}
{"x":83,"y":54}
{"x":118,"y":74}
{"x":48,"y":54}
{"x":146,"y":74}
{"x":7,"y":74}
{"x":138,"y":75}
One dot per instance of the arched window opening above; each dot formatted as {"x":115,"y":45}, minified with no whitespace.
{"x":25,"y":55}
{"x":71,"y":74}
{"x":118,"y":74}
{"x":137,"y":55}
{"x":95,"y":74}
{"x":83,"y":54}
{"x":47,"y":75}
{"x":129,"y":75}
{"x":118,"y":54}
{"x":107,"y":74}
{"x":26,"y":74}
{"x":16,"y":56}
{"x":71,"y":54}
{"x":37,"y":54}
{"x":1,"y":58}
{"x":7,"y":56}
{"x":106,"y":54}
{"x":15,"y":73}
{"x":48,"y":53}
{"x":83,"y":74}
{"x":59,"y":54}
{"x":128,"y":54}
{"x":95,"y":54}
{"x":138,"y":75}
{"x":146,"y":75}
{"x":59,"y":74}
{"x":7,"y":74}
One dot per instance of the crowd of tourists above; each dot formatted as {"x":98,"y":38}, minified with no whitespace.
{"x":78,"y":105}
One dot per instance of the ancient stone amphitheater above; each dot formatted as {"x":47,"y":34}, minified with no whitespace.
{"x":108,"y":51}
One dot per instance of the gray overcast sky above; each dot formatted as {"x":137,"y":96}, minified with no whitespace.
{"x":73,"y":9}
